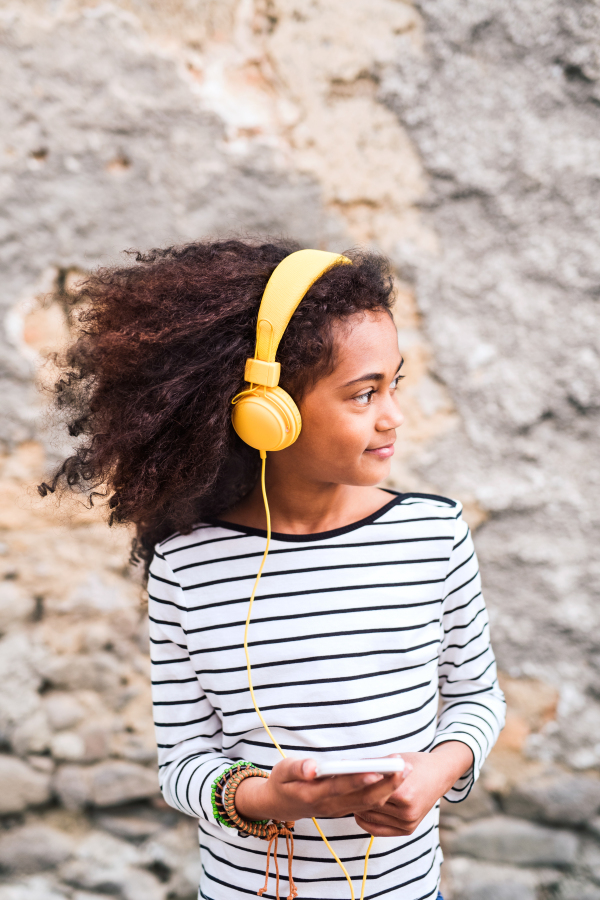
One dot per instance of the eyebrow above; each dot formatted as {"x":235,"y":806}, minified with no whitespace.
{"x":372,"y":376}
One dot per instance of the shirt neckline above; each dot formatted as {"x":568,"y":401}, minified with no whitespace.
{"x":314,"y":536}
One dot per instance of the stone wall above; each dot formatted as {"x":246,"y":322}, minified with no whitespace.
{"x":462,"y":140}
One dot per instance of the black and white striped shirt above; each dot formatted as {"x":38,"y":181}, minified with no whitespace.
{"x":367,"y":640}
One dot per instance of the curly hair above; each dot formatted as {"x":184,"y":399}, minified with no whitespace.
{"x":158,"y":354}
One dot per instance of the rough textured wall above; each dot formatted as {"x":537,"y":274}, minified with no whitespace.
{"x":461,"y":139}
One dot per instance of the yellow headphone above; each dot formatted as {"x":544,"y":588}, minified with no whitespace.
{"x":264,"y":415}
{"x":266,"y":418}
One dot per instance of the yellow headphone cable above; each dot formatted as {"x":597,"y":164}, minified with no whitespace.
{"x":263,"y":456}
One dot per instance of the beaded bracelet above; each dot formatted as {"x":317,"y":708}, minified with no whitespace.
{"x":223,"y":803}
{"x":255,"y":828}
{"x":216,"y":794}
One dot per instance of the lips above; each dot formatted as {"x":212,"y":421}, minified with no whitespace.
{"x":381,"y":452}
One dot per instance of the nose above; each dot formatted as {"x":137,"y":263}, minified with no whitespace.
{"x":391,"y":416}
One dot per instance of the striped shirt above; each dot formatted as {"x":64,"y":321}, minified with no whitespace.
{"x":366,"y":640}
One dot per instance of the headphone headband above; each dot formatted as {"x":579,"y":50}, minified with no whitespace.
{"x":264,"y":415}
{"x":286,"y":287}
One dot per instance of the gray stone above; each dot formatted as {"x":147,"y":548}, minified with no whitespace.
{"x":62,"y":710}
{"x":474,"y":880}
{"x":34,"y":888}
{"x":101,"y":863}
{"x":561,"y":799}
{"x":502,"y":839}
{"x":507,"y":891}
{"x":135,"y":828}
{"x":19,"y":698}
{"x":34,"y":848}
{"x":177,"y":850}
{"x":589,"y":859}
{"x":141,"y":885}
{"x":22,"y":786}
{"x":99,"y":671}
{"x":87,"y":895}
{"x":577,"y":889}
{"x":478,"y":804}
{"x":15,"y":606}
{"x":105,"y":784}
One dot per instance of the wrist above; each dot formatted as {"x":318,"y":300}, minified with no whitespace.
{"x":252,"y":799}
{"x":454,"y":759}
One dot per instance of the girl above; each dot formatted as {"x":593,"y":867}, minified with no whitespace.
{"x":369,"y":636}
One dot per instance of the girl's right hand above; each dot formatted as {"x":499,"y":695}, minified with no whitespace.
{"x":293,"y":792}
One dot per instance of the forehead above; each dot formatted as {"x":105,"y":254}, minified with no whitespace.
{"x":365,"y":342}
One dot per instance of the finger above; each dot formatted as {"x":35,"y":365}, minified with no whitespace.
{"x":379,"y":793}
{"x":382,"y":817}
{"x":367,"y":797}
{"x":348,"y":784}
{"x":380,"y":830}
{"x":299,"y":770}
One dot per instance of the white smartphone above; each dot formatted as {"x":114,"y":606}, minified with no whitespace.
{"x":356,"y":766}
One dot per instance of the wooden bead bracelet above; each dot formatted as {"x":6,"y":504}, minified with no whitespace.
{"x":223,"y":802}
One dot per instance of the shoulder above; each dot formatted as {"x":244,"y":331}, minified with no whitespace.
{"x":205,"y":543}
{"x":430,"y":505}
{"x":414,"y":516}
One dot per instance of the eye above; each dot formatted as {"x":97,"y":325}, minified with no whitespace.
{"x":394,"y":383}
{"x":365,"y":399}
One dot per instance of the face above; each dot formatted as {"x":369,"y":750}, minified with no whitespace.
{"x":350,"y":417}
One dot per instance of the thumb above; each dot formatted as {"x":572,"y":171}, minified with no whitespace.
{"x":300,"y":770}
{"x":406,"y":771}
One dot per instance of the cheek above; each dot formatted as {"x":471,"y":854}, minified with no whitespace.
{"x":335,"y":431}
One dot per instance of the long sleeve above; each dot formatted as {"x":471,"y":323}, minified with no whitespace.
{"x":472,"y":707}
{"x":188,"y":728}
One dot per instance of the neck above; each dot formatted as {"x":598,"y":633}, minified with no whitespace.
{"x":300,"y":505}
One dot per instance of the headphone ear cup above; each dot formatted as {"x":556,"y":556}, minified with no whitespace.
{"x":292,"y":415}
{"x":267,"y":420}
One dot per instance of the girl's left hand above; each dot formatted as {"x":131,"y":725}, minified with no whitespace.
{"x":432,"y":775}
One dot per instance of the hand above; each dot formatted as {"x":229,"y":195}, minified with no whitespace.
{"x":432,"y":775}
{"x":293,"y":792}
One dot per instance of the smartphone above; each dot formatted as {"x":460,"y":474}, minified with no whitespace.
{"x":356,"y":766}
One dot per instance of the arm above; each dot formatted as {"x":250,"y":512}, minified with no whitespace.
{"x":188,"y":729}
{"x":472,"y":704}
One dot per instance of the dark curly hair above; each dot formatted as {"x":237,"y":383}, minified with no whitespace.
{"x":158,"y":354}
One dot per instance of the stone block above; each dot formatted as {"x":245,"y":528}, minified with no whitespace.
{"x":62,"y":710}
{"x":589,"y":859}
{"x":32,"y":735}
{"x":473,"y":880}
{"x":133,"y":828}
{"x":101,"y":863}
{"x":22,"y":786}
{"x":34,"y":848}
{"x":104,"y":784}
{"x":577,"y":889}
{"x":107,"y":865}
{"x":76,"y":671}
{"x":141,"y":885}
{"x":86,"y":745}
{"x":514,"y":841}
{"x":507,"y":891}
{"x":37,"y":887}
{"x":561,"y":799}
{"x":15,"y":606}
{"x":478,"y":804}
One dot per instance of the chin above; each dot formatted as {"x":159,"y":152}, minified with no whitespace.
{"x":379,"y":470}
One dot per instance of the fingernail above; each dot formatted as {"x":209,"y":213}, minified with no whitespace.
{"x":306,"y":768}
{"x":372,"y":778}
